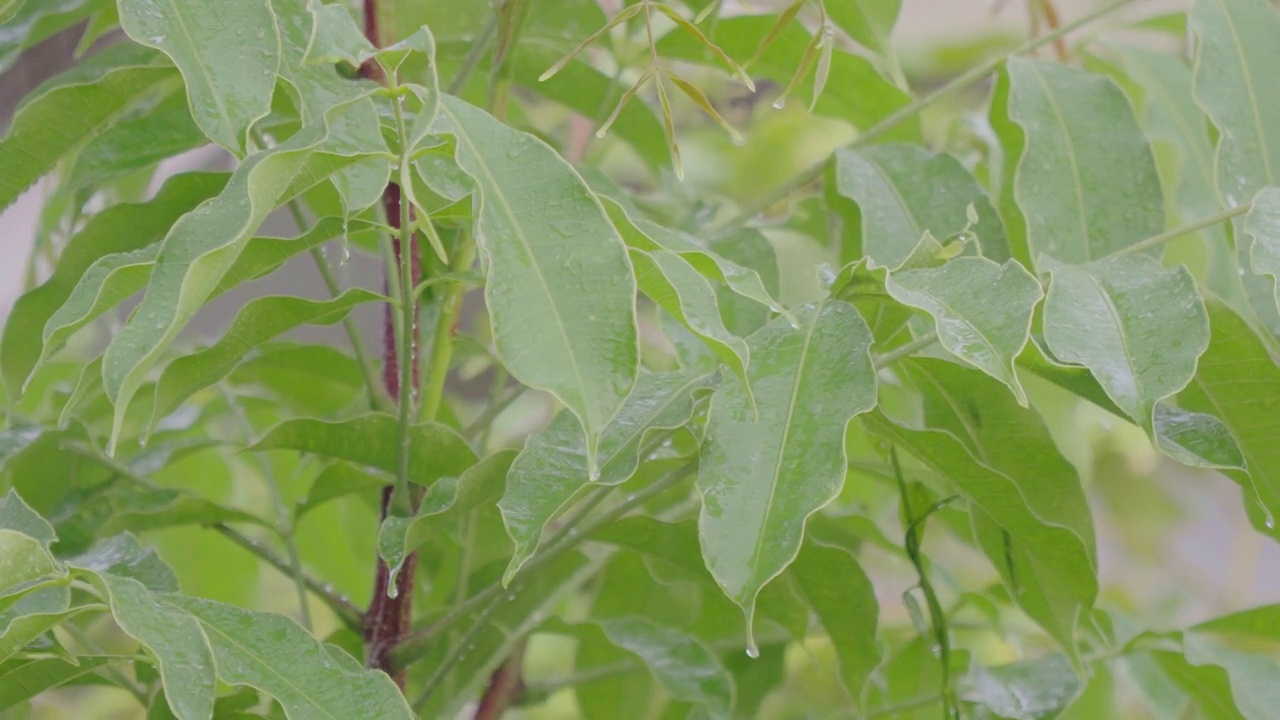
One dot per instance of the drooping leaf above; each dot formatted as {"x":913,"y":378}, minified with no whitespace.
{"x":1236,"y":382}
{"x":842,"y":597}
{"x":553,"y":466}
{"x":259,"y":321}
{"x":144,"y":136}
{"x":1196,"y":439}
{"x":73,"y":108}
{"x":899,"y":192}
{"x":762,"y":474}
{"x":36,"y":20}
{"x":1086,"y":182}
{"x":1028,"y":690}
{"x":1138,"y":328}
{"x":686,"y":668}
{"x":982,"y":311}
{"x":371,"y":440}
{"x":560,"y":290}
{"x":1262,"y":224}
{"x":203,"y":245}
{"x":228,"y":54}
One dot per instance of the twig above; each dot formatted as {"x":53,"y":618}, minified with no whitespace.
{"x":1164,"y":237}
{"x":892,"y":356}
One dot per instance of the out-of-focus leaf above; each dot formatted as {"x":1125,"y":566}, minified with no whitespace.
{"x":319,"y":380}
{"x":1138,"y":328}
{"x":338,"y":480}
{"x":686,"y":668}
{"x":259,"y":321}
{"x":1263,"y":225}
{"x":1236,"y":382}
{"x":148,"y":135}
{"x":371,"y":440}
{"x":841,"y":595}
{"x":553,"y":468}
{"x":762,"y":474}
{"x":24,"y":629}
{"x":24,"y":679}
{"x":1029,"y":690}
{"x":228,"y":54}
{"x":982,"y":311}
{"x":899,"y":192}
{"x":202,"y":246}
{"x":74,"y":108}
{"x":35,"y":20}
{"x":1086,"y":182}
{"x":559,"y":289}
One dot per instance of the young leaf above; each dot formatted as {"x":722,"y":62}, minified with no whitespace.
{"x":982,"y":310}
{"x":203,"y":245}
{"x":899,"y":192}
{"x":553,"y":467}
{"x":72,"y":109}
{"x":371,"y":440}
{"x":762,"y":474}
{"x":1263,"y":224}
{"x":228,"y":54}
{"x":259,"y":321}
{"x":1138,"y":327}
{"x":560,"y":291}
{"x":1086,"y":182}
{"x":685,"y":667}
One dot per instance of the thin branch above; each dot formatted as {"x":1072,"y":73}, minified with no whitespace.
{"x":909,"y":111}
{"x":1164,"y":237}
{"x":892,"y":356}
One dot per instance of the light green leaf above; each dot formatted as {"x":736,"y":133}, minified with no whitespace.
{"x":1235,"y":84}
{"x":446,"y":501}
{"x":982,"y":311}
{"x":337,"y":480}
{"x":228,"y":54}
{"x":560,"y":291}
{"x":1263,"y":225}
{"x":1237,"y":382}
{"x":1254,"y":676}
{"x":27,"y":628}
{"x":120,"y":228}
{"x":1138,"y":327}
{"x":72,"y":109}
{"x":318,"y":380}
{"x":124,"y":556}
{"x":673,"y":284}
{"x":24,"y":547}
{"x":18,"y":517}
{"x":899,"y":192}
{"x":36,"y":20}
{"x":552,"y":468}
{"x":24,"y":679}
{"x":257,"y":322}
{"x":371,"y":440}
{"x":203,"y":245}
{"x":762,"y":474}
{"x":686,"y":668}
{"x":1014,"y":442}
{"x":335,"y":37}
{"x":868,"y":22}
{"x":842,"y":597}
{"x":1047,"y":553}
{"x":137,"y":509}
{"x":147,"y":135}
{"x":1196,"y":439}
{"x":1028,"y":690}
{"x":1086,"y":182}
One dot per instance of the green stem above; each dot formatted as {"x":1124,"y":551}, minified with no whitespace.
{"x":377,"y":397}
{"x":568,"y":537}
{"x":910,"y":110}
{"x":1164,"y":237}
{"x":401,"y":504}
{"x":442,"y":342}
{"x":469,"y":63}
{"x":904,"y":350}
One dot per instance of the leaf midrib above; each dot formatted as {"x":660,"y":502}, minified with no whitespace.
{"x":1252,"y":94}
{"x":1078,"y":182}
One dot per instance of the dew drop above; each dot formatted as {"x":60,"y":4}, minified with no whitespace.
{"x":601,"y":133}
{"x":753,"y":652}
{"x":511,"y":597}
{"x":780,"y":103}
{"x":1270,"y":522}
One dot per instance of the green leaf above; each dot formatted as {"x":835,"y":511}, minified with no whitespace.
{"x":1196,"y":439}
{"x":337,"y":480}
{"x":559,"y":288}
{"x":1028,"y":690}
{"x":869,"y":22}
{"x":73,"y":108}
{"x":335,"y":37}
{"x":861,"y":97}
{"x":898,"y":193}
{"x":259,"y":321}
{"x":1086,"y":181}
{"x":1263,"y":224}
{"x":1236,"y":382}
{"x":24,"y":545}
{"x":1235,"y":84}
{"x":1014,"y":442}
{"x":842,"y":597}
{"x":675,"y":286}
{"x":24,"y":679}
{"x":138,"y":509}
{"x":371,"y":440}
{"x":228,"y":54}
{"x":447,"y":501}
{"x":553,"y":466}
{"x":982,"y":311}
{"x":1048,"y":553}
{"x":318,"y":380}
{"x":203,"y":245}
{"x":686,"y":668}
{"x":124,"y":556}
{"x":1138,"y":328}
{"x":762,"y":474}
{"x":27,"y":628}
{"x":1254,"y":676}
{"x":146,"y":135}
{"x":36,"y":20}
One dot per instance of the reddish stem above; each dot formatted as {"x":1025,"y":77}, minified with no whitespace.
{"x":387,"y":620}
{"x":505,"y":687}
